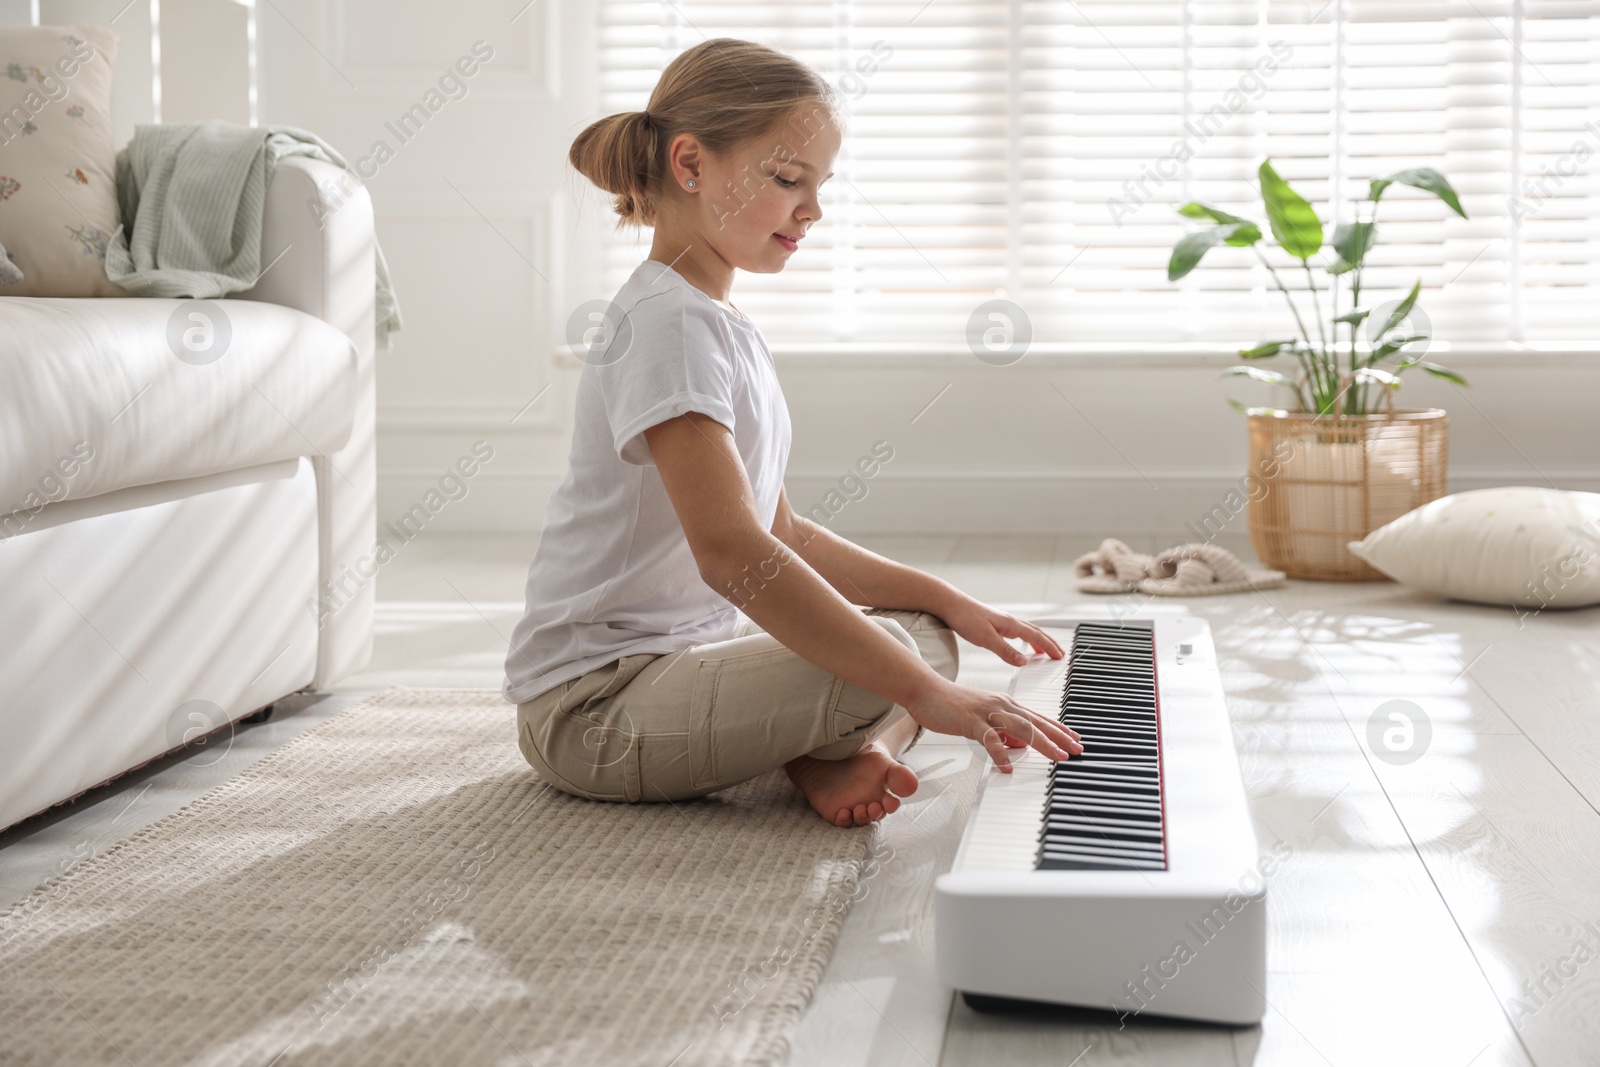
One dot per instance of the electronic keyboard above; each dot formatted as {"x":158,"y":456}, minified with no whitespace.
{"x":1126,"y":878}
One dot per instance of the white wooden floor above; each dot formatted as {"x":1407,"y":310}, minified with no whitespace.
{"x":1423,"y":905}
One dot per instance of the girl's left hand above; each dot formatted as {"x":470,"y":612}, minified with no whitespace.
{"x":988,"y":628}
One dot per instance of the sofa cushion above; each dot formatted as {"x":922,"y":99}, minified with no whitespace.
{"x":98,"y":395}
{"x":58,"y":191}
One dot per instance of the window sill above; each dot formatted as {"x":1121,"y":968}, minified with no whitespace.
{"x":912,"y":355}
{"x":1150,"y":355}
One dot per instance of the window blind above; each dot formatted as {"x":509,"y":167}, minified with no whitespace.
{"x":1037,"y":150}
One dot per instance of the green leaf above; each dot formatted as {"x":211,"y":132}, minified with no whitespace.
{"x":1269,"y":348}
{"x":1341,"y":267}
{"x":1194,"y":209}
{"x":1247,"y":234}
{"x":1274,"y":412}
{"x":1393,"y":345}
{"x":1402,"y":309}
{"x":1425,"y":178}
{"x":1355,"y":317}
{"x":1294,"y":223}
{"x":1352,"y":241}
{"x":1443,"y":372}
{"x":1187,"y":252}
{"x":1271,"y":377}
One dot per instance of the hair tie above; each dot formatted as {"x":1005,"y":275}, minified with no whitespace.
{"x":646,"y":117}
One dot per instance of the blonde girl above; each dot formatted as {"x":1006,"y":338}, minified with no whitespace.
{"x":685,"y":628}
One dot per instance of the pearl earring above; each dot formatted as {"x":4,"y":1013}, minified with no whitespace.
{"x":691,"y":183}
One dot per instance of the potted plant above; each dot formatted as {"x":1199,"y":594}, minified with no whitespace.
{"x":1334,"y":467}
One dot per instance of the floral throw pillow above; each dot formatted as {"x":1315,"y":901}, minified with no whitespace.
{"x":58,"y":193}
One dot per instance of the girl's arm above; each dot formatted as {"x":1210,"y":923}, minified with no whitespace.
{"x":743,"y":561}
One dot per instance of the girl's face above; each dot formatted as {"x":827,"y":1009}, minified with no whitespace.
{"x":760,"y":202}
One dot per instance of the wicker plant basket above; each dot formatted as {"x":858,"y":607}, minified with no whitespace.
{"x":1325,"y":481}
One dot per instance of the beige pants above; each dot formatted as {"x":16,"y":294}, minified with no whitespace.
{"x":666,"y":727}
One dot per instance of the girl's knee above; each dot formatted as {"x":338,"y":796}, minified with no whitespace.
{"x":933,"y":639}
{"x":928,"y":636}
{"x":950,"y":662}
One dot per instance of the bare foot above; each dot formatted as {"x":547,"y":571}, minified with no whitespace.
{"x":854,"y":791}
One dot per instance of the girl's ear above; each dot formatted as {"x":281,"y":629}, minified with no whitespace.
{"x":684,"y":158}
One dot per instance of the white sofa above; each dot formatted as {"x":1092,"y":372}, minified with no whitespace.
{"x":200,"y":553}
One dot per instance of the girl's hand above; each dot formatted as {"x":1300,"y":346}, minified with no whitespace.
{"x":994,"y":720}
{"x":988,"y":628}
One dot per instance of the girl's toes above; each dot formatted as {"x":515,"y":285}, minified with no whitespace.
{"x":875,"y":810}
{"x":861,"y":814}
{"x":891,"y":803}
{"x":843,"y":818}
{"x":901,"y":780}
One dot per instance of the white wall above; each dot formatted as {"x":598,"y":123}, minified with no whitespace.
{"x":473,"y":215}
{"x":1111,"y":445}
{"x":1145,"y":445}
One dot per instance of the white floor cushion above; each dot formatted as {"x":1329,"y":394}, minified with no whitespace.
{"x":1520,"y":545}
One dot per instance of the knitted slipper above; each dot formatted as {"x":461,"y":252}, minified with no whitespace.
{"x":1113,"y":568}
{"x":1201,"y":570}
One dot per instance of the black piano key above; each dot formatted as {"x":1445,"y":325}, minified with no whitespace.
{"x":1086,"y":778}
{"x":1086,"y":762}
{"x":1083,"y":763}
{"x":1114,"y":748}
{"x":1147,"y":816}
{"x":1142,"y":734}
{"x":1102,"y":704}
{"x":1090,"y":853}
{"x":1088,"y":848}
{"x":1130,"y":684}
{"x":1109,"y":706}
{"x":1108,"y":842}
{"x":1065,"y":833}
{"x":1055,"y":863}
{"x":1059,"y":815}
{"x":1064,"y":863}
{"x":1100,"y":714}
{"x":1093,"y":845}
{"x":1111,"y":791}
{"x":1132,"y":746}
{"x":1128,"y":816}
{"x":1066,"y":791}
{"x":1118,"y":692}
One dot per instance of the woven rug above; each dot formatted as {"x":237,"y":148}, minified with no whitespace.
{"x":397,"y":885}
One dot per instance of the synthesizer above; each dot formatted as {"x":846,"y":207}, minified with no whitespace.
{"x":1126,"y":878}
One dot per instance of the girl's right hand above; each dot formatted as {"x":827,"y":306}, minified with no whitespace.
{"x":994,"y":720}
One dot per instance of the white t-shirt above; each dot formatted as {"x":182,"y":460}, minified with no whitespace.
{"x":613,"y":574}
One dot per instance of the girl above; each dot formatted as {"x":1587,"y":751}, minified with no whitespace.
{"x":635,"y":672}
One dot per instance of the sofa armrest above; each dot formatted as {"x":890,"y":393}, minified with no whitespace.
{"x":317,"y":248}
